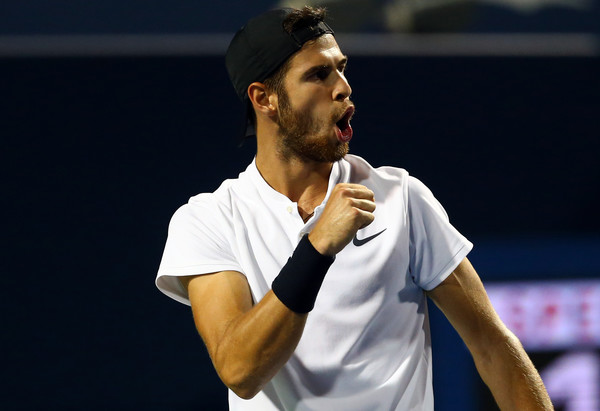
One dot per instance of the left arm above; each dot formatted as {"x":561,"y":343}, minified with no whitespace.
{"x":499,"y":356}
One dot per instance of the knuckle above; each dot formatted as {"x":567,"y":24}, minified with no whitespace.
{"x":341,"y":191}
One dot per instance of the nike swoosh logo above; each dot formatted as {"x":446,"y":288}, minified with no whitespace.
{"x":358,"y":242}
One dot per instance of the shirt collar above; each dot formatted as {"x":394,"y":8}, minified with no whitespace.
{"x":340,"y":173}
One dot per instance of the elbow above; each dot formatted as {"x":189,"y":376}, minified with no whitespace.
{"x":245,"y":393}
{"x":244,"y":390}
{"x":242,"y":382}
{"x":245,"y":372}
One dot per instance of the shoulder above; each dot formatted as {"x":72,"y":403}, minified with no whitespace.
{"x":421,"y":198}
{"x":203,"y":205}
{"x":416,"y":188}
{"x":222,"y":200}
{"x":361,"y":170}
{"x":388,"y":181}
{"x":210,"y":209}
{"x":219,"y":198}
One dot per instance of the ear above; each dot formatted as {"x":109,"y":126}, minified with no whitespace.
{"x":263,"y":101}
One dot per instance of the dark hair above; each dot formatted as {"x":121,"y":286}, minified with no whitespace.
{"x":296,"y":20}
{"x":304,"y":17}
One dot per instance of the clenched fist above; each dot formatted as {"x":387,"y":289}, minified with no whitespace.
{"x":349,"y":208}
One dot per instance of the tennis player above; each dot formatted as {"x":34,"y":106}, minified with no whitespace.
{"x":308,"y":275}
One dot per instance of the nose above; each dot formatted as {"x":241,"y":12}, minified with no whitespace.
{"x":342,"y":89}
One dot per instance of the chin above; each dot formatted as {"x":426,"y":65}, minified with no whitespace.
{"x":319,"y":148}
{"x":340,"y":152}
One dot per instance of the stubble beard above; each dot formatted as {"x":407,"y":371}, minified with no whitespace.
{"x":304,"y":138}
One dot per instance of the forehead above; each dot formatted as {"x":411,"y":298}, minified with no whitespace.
{"x":324,"y":50}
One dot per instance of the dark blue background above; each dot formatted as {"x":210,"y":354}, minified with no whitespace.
{"x":99,"y":152}
{"x":199,"y":16}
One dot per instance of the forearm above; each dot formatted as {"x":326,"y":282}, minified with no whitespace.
{"x":259,"y":341}
{"x":499,"y":356}
{"x":257,"y":344}
{"x":511,"y":376}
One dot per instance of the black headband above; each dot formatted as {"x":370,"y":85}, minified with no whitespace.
{"x":260,"y":47}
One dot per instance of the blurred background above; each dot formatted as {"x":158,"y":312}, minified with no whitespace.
{"x":114,"y":113}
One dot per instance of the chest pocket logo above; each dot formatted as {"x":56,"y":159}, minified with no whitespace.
{"x":365,"y":240}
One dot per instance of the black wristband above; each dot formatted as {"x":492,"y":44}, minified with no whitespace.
{"x":299,"y":281}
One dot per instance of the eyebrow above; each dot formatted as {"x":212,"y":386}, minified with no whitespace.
{"x":316,"y":69}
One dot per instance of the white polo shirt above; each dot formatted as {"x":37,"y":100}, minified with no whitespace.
{"x":366,"y":344}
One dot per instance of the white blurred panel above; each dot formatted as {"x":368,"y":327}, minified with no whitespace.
{"x":550,"y":315}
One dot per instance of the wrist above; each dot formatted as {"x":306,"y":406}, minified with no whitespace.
{"x":319,"y":245}
{"x":299,"y":281}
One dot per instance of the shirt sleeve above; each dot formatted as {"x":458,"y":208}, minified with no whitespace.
{"x":195,"y":245}
{"x":436,"y":247}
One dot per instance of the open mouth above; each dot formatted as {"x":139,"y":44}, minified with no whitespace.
{"x":344,"y":132}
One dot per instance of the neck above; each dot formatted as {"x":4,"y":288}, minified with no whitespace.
{"x":302,"y":182}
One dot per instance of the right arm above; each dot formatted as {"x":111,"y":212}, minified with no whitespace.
{"x":248,"y":344}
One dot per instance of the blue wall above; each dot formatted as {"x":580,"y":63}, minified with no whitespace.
{"x":196,"y":16}
{"x":99,"y":152}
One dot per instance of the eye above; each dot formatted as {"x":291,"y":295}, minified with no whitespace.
{"x":322,"y":74}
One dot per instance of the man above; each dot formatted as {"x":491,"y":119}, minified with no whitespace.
{"x":308,"y":274}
